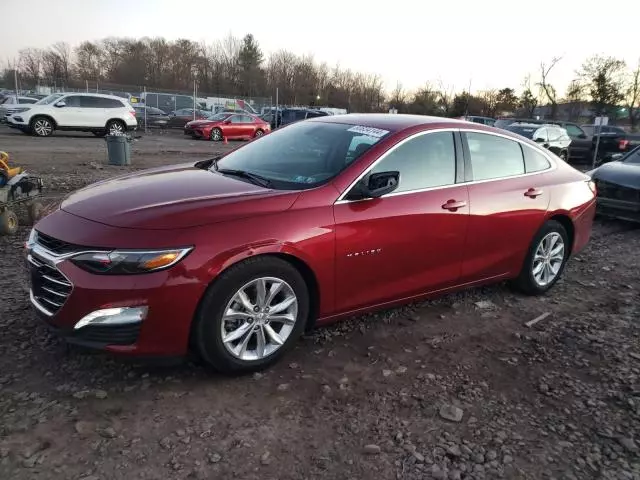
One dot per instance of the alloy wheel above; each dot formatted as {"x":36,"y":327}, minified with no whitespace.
{"x":259,"y":133}
{"x":259,"y":318}
{"x":216,"y":135}
{"x":548,"y":259}
{"x":42,"y":127}
{"x":115,"y":128}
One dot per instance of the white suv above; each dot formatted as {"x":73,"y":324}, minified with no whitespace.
{"x":85,"y":112}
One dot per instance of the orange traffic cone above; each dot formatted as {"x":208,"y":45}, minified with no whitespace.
{"x":225,"y":141}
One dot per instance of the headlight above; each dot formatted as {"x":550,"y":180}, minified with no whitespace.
{"x":133,"y":262}
{"x":19,"y":110}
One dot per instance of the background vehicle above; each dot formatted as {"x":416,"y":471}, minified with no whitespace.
{"x":581,"y":149}
{"x":244,"y":252}
{"x":618,"y":186}
{"x":11,"y":104}
{"x":483,"y":120}
{"x":612,"y":140}
{"x":178,"y":118}
{"x":84,"y":112}
{"x":155,"y":117}
{"x":167,"y":102}
{"x":551,"y":137}
{"x":291,"y":115}
{"x":227,"y":125}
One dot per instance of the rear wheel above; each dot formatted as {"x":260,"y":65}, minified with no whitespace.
{"x":115,"y":127}
{"x":251,"y":315}
{"x":8,"y":222}
{"x":258,"y":133}
{"x":42,"y":126}
{"x":546,"y":259}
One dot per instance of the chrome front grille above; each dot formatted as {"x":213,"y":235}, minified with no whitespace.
{"x":617,"y":192}
{"x":49,"y":287}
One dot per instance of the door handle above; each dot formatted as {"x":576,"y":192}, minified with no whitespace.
{"x":454,"y":205}
{"x":533,"y":193}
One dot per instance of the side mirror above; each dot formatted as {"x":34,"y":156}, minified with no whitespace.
{"x":61,"y":104}
{"x":538,"y":140}
{"x":582,"y":136}
{"x":227,"y":122}
{"x":375,"y":185}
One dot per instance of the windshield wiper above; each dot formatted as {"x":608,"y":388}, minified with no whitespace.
{"x":208,"y":163}
{"x":253,"y":177}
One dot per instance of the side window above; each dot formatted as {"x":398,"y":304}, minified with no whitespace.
{"x":236,"y":119}
{"x":428,"y":160}
{"x":554,"y":134}
{"x":72,"y":101}
{"x":534,"y":160}
{"x":493,"y":156}
{"x":28,"y":100}
{"x":574,"y":131}
{"x":90,"y":102}
{"x":247,"y":119}
{"x":112,"y":103}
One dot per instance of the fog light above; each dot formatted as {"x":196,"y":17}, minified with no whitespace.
{"x":114,"y":316}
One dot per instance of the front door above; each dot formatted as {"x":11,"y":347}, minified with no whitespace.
{"x":71,"y":114}
{"x":410,"y":241}
{"x":508,"y":204}
{"x":580,"y":147}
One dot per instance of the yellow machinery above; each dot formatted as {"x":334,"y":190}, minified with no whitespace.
{"x":17,"y":187}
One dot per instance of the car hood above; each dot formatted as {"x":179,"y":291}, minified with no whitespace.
{"x":623,"y":174}
{"x":174,"y":197}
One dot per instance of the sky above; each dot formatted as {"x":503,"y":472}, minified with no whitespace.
{"x":456,"y":43}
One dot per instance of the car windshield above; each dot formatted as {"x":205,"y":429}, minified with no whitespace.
{"x":633,"y":157}
{"x":50,"y":99}
{"x":302,"y":155}
{"x":526,"y":132}
{"x":218,"y":116}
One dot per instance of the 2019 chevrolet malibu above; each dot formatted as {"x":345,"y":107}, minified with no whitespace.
{"x":234,"y":257}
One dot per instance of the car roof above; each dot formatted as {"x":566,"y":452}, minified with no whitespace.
{"x":89,"y":94}
{"x":391,"y":122}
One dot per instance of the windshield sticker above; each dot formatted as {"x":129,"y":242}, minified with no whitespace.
{"x":370,"y":131}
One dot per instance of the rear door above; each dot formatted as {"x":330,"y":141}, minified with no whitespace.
{"x":412,"y":240}
{"x":508,"y":203}
{"x":580,"y":148}
{"x":93,"y":111}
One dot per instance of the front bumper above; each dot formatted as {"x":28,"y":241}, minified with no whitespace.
{"x":62,"y":294}
{"x":620,"y":209}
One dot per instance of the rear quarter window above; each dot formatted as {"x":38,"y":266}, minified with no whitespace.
{"x":534,"y":161}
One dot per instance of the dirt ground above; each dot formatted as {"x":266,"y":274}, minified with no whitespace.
{"x":456,"y":388}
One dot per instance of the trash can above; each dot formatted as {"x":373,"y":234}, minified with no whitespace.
{"x":119,"y":149}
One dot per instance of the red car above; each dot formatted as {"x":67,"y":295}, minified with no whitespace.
{"x":233,"y":258}
{"x":227,"y":125}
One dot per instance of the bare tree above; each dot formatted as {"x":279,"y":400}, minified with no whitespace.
{"x":546,"y":88}
{"x":63,"y":51}
{"x":575,"y":98}
{"x":528,"y":101}
{"x":603,"y":77}
{"x":398,"y":97}
{"x":632,"y":95}
{"x":31,"y":65}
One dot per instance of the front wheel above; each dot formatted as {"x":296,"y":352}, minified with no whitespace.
{"x":216,"y":135}
{"x":8,"y":222}
{"x":251,"y":315}
{"x":258,"y":134}
{"x":546,"y":259}
{"x":42,"y":127}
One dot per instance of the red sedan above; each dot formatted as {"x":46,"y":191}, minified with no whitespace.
{"x":235,"y":257}
{"x":228,"y":125}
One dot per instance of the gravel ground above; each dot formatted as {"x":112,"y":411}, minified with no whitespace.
{"x":456,"y":388}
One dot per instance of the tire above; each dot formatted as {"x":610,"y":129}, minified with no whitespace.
{"x":8,"y":222}
{"x":41,"y":127}
{"x":258,"y":133}
{"x":530,"y":283}
{"x":222,"y":296}
{"x":216,"y":135}
{"x":115,"y":126}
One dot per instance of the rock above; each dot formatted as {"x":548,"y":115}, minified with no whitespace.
{"x":628,"y":443}
{"x":386,"y":373}
{"x":258,"y":375}
{"x":400,"y":370}
{"x":455,"y":475}
{"x":634,"y":355}
{"x":283,"y":387}
{"x":491,"y":455}
{"x":83,"y":428}
{"x":214,"y":457}
{"x":437,"y":472}
{"x":265,"y":458}
{"x":478,"y":458}
{"x":543,"y":387}
{"x":100,"y":394}
{"x":418,"y":456}
{"x":181,"y":432}
{"x":507,"y":459}
{"x":451,"y":412}
{"x":454,"y":451}
{"x":34,"y":448}
{"x":108,"y":432}
{"x":484,"y":304}
{"x":343,"y":381}
{"x":30,"y":462}
{"x":293,"y":365}
{"x":165,"y":443}
{"x":371,"y":449}
{"x":326,"y":389}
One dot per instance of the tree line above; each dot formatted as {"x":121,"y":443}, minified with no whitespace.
{"x":238,"y":67}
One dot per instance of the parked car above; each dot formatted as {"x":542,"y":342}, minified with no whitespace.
{"x":581,"y":149}
{"x":178,"y":118}
{"x":235,"y":256}
{"x":227,"y":125}
{"x":618,"y":186}
{"x":155,"y":117}
{"x":84,"y":112}
{"x":476,"y":119}
{"x":551,"y":137}
{"x":612,"y":140}
{"x":11,"y":104}
{"x":291,"y":115}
